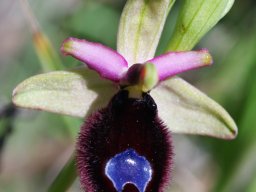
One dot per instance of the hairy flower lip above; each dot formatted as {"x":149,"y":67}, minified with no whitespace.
{"x":125,"y":123}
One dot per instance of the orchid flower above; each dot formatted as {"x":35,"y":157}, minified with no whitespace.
{"x":129,"y":121}
{"x":135,"y":101}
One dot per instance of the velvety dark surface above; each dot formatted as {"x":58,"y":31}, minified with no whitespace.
{"x":124,"y":123}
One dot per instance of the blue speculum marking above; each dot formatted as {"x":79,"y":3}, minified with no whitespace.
{"x":129,"y":167}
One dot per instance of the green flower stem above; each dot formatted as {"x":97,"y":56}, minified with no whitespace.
{"x":65,"y":178}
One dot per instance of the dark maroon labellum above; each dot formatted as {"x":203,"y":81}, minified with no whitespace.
{"x":125,"y":147}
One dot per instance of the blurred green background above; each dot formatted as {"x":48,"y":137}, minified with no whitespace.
{"x":34,"y":145}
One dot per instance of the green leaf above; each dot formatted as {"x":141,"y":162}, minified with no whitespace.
{"x":141,"y":25}
{"x":184,"y":109}
{"x":196,"y":18}
{"x":72,"y":93}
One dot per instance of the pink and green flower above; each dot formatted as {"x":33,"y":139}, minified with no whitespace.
{"x":134,"y":101}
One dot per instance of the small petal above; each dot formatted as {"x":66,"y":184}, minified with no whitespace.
{"x":72,"y":93}
{"x":173,"y":63}
{"x":107,"y":62}
{"x":149,"y":77}
{"x":185,"y":109}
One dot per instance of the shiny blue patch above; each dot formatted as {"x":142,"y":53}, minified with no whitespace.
{"x":129,"y":167}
